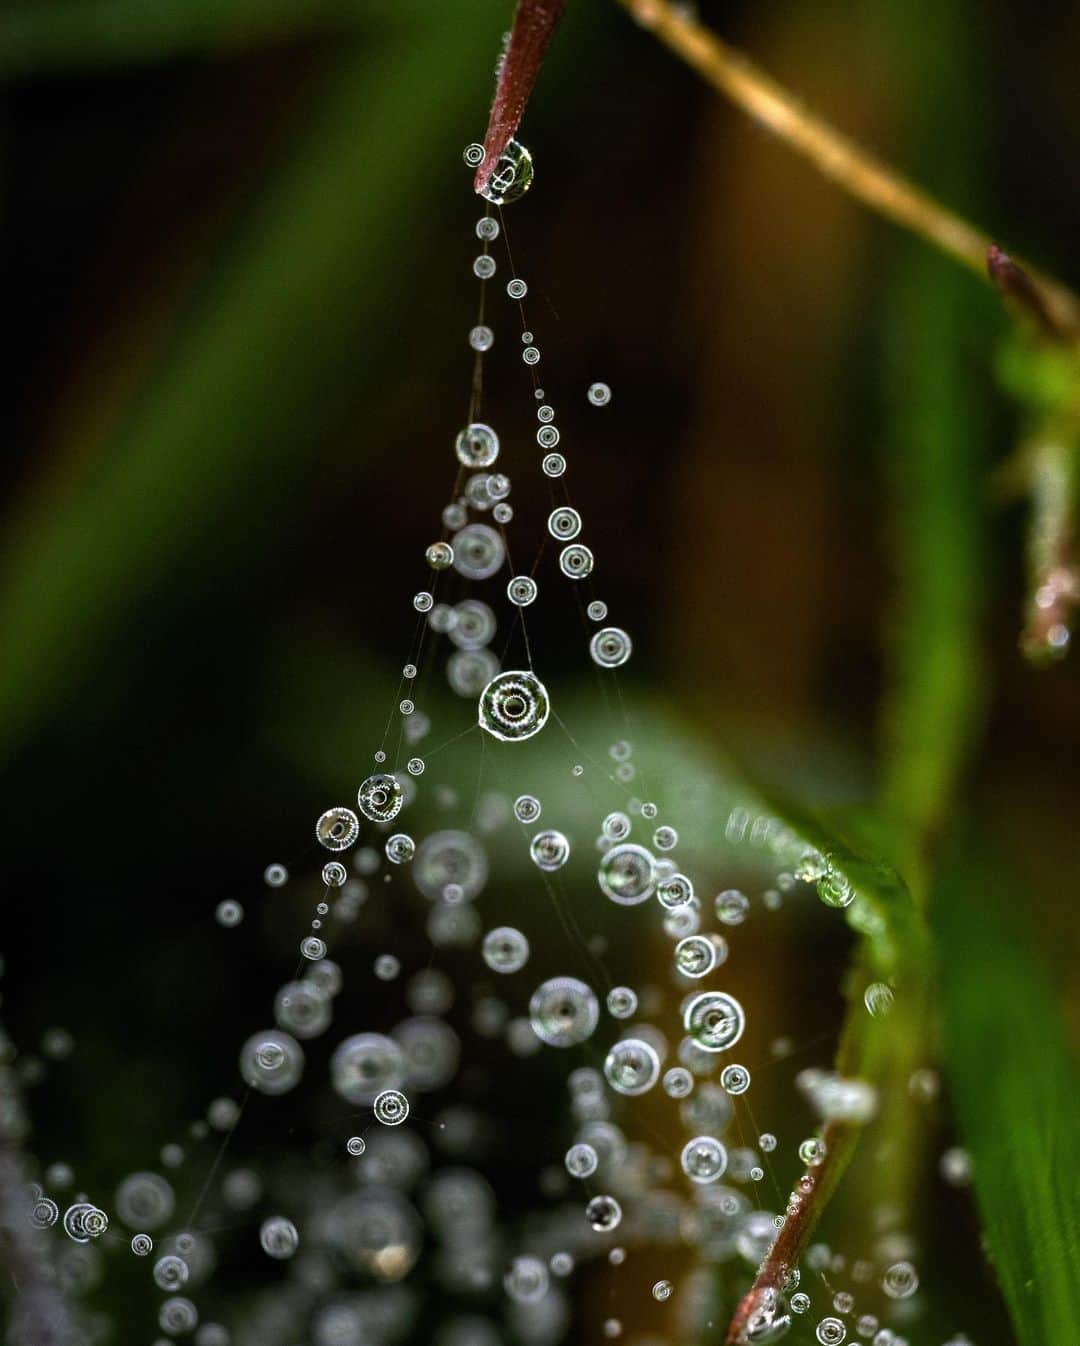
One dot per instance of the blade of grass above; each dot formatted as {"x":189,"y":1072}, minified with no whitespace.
{"x":1014,"y":1087}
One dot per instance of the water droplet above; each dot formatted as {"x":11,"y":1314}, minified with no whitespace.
{"x":513,"y":706}
{"x":703,"y":1159}
{"x":391,"y":1107}
{"x":380,"y":797}
{"x":714,"y":1020}
{"x":563,"y":1012}
{"x":576,"y":561}
{"x":550,"y":850}
{"x":599,"y":394}
{"x":521,"y":591}
{"x":512,"y":175}
{"x":632,"y":1066}
{"x":337,"y":829}
{"x":610,"y":647}
{"x":477,"y":445}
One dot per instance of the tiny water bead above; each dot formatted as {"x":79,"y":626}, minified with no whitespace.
{"x":603,"y":1214}
{"x":484,"y":266}
{"x":271,"y":1062}
{"x":676,"y":891}
{"x":662,"y":1290}
{"x":665,"y":838}
{"x":627,"y":874}
{"x":695,"y":956}
{"x":423,"y":601}
{"x":548,"y":436}
{"x":313,"y":948}
{"x":278,"y":1237}
{"x":564,"y":523}
{"x":337,"y":829}
{"x":830,"y":1332}
{"x":505,"y":949}
{"x":511,"y":177}
{"x":678,"y":1082}
{"x":481,"y":338}
{"x":479,"y":552}
{"x":599,"y":394}
{"x":581,"y":1160}
{"x":391,"y":1107}
{"x":616,"y":826}
{"x":731,"y":906}
{"x":474,"y":156}
{"x":563,"y":1012}
{"x":531,"y":355}
{"x":632,"y":1066}
{"x":44,"y":1213}
{"x":415,"y":766}
{"x":409,"y":672}
{"x":714,"y":1020}
{"x":812,"y":1151}
{"x":355,"y":1145}
{"x":799,"y":1302}
{"x":549,"y":850}
{"x":610,"y":647}
{"x":521,"y":591}
{"x":622,"y":1002}
{"x":513,"y":706}
{"x":878,"y":999}
{"x":597,"y":610}
{"x":142,"y":1245}
{"x":439,"y":556}
{"x":835,"y":889}
{"x":527,"y":808}
{"x":400,"y":848}
{"x":406,"y":707}
{"x":334,"y":873}
{"x":516,"y":288}
{"x":275,"y":876}
{"x":170,"y":1272}
{"x":900,"y":1281}
{"x":387,"y":967}
{"x":576,"y":561}
{"x":380,"y":797}
{"x":477,"y":445}
{"x":703,"y":1159}
{"x":735,"y":1079}
{"x":503,"y":513}
{"x":554,"y":465}
{"x":228,"y":913}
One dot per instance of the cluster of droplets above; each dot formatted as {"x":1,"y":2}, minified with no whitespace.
{"x":403,"y":1148}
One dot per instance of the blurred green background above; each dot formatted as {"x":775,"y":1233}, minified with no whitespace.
{"x":237,"y":241}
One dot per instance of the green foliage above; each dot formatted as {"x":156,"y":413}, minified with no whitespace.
{"x":1015,"y":1089}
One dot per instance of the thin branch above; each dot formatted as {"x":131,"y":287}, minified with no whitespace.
{"x":534,"y":23}
{"x":836,"y":155}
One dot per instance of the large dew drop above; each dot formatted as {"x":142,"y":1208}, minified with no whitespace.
{"x":514,"y":705}
{"x":512,"y":175}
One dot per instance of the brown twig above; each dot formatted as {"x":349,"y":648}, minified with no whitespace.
{"x":1020,"y":292}
{"x":534,"y":23}
{"x":836,"y":155}
{"x":812,"y":1191}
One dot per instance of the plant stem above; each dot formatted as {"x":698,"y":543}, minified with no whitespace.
{"x":860,"y":173}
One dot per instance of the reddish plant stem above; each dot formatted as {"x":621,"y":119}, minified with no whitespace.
{"x":816,"y":1187}
{"x":534,"y":23}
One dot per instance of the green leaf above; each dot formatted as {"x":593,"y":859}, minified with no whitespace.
{"x":1015,"y":1090}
